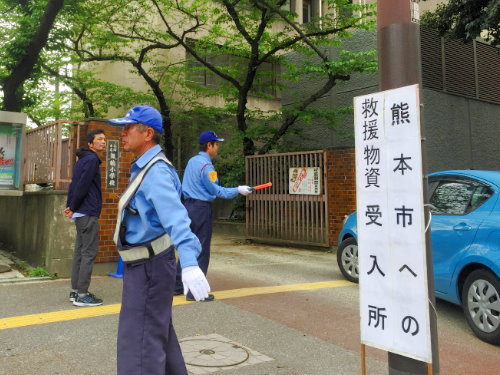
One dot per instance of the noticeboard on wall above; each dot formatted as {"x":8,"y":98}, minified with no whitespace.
{"x":12,"y":126}
{"x":304,"y":180}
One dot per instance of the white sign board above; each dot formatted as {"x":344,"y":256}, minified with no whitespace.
{"x":390,"y":221}
{"x":112,"y":164}
{"x":302,"y":180}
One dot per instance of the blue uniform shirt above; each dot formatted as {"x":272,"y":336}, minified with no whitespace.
{"x":201,"y":182}
{"x":159,"y":209}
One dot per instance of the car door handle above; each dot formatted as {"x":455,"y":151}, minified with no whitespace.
{"x":462,"y":227}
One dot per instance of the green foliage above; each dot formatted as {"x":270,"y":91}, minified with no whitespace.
{"x":39,"y":272}
{"x":466,"y":20}
{"x":22,"y":266}
{"x":183,"y":54}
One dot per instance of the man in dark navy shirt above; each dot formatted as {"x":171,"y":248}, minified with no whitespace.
{"x":84,"y":206}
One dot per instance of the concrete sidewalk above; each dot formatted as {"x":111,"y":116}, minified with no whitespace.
{"x":7,"y":268}
{"x":217,"y":337}
{"x":279,"y":311}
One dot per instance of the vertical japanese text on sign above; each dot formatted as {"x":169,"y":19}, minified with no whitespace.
{"x":391,"y":236}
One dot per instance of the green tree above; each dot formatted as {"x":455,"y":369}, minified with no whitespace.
{"x":466,"y":20}
{"x":239,"y":46}
{"x":28,"y":23}
{"x":261,"y":33}
{"x":34,"y":68}
{"x":117,"y":33}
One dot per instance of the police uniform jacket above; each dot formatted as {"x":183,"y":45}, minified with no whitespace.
{"x":201,"y":182}
{"x":156,"y":209}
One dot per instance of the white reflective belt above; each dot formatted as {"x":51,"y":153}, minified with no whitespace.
{"x":136,"y":253}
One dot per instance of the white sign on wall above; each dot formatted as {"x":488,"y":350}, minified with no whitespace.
{"x":391,"y":230}
{"x":303,"y":180}
{"x":112,"y":164}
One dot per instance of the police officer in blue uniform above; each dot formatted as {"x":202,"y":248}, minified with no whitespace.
{"x":200,"y":186}
{"x":151,"y":222}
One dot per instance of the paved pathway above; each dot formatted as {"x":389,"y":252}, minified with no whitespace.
{"x":278,"y":311}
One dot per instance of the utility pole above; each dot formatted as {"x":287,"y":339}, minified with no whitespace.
{"x":400,"y":65}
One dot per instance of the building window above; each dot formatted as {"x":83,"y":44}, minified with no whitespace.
{"x":265,"y":83}
{"x":306,"y":11}
{"x":347,"y":12}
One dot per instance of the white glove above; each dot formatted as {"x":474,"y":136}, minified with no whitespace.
{"x":244,"y":190}
{"x":195,"y":281}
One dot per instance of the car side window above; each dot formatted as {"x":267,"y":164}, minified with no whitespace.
{"x":481,"y":195}
{"x":452,"y":198}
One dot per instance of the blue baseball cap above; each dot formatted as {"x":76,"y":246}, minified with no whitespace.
{"x":209,"y":136}
{"x":143,"y":114}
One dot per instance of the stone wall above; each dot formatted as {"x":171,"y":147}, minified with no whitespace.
{"x":33,"y":228}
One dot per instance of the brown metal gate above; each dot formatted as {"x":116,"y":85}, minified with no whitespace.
{"x":274,"y":214}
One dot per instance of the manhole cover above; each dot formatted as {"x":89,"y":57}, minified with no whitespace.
{"x":4,"y":268}
{"x":213,"y":353}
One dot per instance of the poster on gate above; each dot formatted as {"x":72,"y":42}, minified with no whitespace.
{"x":304,"y":180}
{"x":394,"y":309}
{"x":11,"y":137}
{"x":8,"y":142}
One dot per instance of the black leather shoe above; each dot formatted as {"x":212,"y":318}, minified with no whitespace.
{"x":178,"y":292}
{"x":210,"y":297}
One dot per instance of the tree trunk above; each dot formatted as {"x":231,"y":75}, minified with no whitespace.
{"x":13,"y":83}
{"x":167,"y":133}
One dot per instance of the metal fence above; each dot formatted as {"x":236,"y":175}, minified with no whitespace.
{"x":50,"y":151}
{"x":469,"y":69}
{"x":274,"y":213}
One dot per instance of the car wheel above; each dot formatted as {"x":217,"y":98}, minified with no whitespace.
{"x":481,"y":304}
{"x":347,"y":259}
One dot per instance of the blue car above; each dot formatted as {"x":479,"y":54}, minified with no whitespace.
{"x":465,"y":227}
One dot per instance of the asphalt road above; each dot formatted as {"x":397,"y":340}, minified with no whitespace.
{"x":279,"y":309}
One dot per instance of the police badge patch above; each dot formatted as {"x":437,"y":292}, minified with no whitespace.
{"x":212,"y":175}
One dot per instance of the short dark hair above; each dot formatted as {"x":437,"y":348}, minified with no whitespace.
{"x":91,"y":134}
{"x":204,"y":146}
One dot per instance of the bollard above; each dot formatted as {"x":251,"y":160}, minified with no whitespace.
{"x":119,"y":270}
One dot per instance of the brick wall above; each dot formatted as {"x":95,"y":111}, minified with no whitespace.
{"x":107,"y":248}
{"x":341,"y":188}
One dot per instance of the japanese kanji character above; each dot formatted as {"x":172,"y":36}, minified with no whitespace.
{"x":402,"y":165}
{"x":375,"y":313}
{"x":373,"y":213}
{"x":370,"y":130}
{"x":369,"y":107}
{"x":375,"y":265}
{"x":372,"y":155}
{"x":402,"y":213}
{"x":372,"y":175}
{"x":400,"y":113}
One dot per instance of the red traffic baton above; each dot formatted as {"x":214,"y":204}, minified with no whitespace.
{"x":263,"y":186}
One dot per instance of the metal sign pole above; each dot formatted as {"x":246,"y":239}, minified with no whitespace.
{"x":400,"y":65}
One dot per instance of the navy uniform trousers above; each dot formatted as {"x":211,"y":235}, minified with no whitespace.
{"x":147,"y":343}
{"x":200,"y":213}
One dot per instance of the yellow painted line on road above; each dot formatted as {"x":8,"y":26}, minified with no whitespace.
{"x":91,"y":312}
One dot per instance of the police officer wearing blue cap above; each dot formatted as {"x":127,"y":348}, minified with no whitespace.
{"x":151,"y":222}
{"x":200,"y":186}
